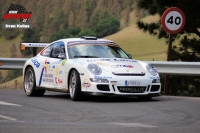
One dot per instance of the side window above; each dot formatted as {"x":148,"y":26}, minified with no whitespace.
{"x":58,"y":50}
{"x":47,"y":51}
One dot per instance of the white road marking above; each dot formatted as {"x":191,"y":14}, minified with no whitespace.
{"x":134,"y":125}
{"x":8,"y":118}
{"x":11,"y":104}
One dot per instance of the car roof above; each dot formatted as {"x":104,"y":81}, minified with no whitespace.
{"x":71,"y":41}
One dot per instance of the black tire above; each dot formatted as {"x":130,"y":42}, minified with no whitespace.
{"x":30,"y":83}
{"x":75,"y":86}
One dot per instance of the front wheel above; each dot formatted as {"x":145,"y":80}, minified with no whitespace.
{"x":75,"y":86}
{"x":30,"y":83}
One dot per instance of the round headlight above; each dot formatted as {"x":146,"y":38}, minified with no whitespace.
{"x":94,"y":69}
{"x":151,"y":69}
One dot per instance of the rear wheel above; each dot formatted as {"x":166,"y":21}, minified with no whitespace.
{"x":30,"y":83}
{"x":75,"y":86}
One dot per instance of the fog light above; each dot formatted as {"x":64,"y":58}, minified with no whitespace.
{"x":99,"y":80}
{"x":156,"y":80}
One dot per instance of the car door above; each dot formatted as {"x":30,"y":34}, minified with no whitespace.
{"x":46,"y":77}
{"x":57,"y":65}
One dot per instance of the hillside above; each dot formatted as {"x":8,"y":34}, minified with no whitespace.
{"x":49,"y":16}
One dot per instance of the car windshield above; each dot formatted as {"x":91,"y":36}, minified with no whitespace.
{"x":96,"y":51}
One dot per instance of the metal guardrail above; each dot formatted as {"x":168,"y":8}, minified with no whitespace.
{"x":177,"y":68}
{"x":163,"y":67}
{"x":12,"y":63}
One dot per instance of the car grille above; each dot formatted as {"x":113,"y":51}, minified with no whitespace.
{"x":103,"y":87}
{"x":132,"y":89}
{"x":155,"y":88}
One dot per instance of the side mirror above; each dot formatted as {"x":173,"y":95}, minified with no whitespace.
{"x":61,"y":56}
{"x":129,"y":55}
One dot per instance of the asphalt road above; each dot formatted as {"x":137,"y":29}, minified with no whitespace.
{"x":56,"y":113}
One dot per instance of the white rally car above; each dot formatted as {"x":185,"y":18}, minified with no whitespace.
{"x":88,"y":65}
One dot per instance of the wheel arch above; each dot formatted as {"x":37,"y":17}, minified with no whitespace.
{"x":26,"y":69}
{"x":68,"y":77}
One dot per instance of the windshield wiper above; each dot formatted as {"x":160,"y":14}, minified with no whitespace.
{"x":85,"y":56}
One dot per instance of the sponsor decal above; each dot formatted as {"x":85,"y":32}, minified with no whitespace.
{"x":47,"y":78}
{"x":40,"y":81}
{"x":125,"y":60}
{"x":86,"y":84}
{"x":96,"y":60}
{"x":16,"y":11}
{"x":58,"y":80}
{"x":121,"y":66}
{"x":60,"y":72}
{"x":102,"y":77}
{"x":102,"y":63}
{"x":46,"y":65}
{"x":63,"y":62}
{"x":89,"y":42}
{"x":79,"y":62}
{"x":56,"y":62}
{"x":57,"y":70}
{"x":35,"y":62}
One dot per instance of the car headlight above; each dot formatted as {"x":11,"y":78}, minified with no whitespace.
{"x":94,"y":69}
{"x":151,"y":69}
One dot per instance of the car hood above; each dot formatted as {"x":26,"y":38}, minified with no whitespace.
{"x":117,"y":65}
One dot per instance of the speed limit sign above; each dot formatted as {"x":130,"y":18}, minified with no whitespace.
{"x":173,"y":20}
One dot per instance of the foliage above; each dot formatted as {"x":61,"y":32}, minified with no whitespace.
{"x":29,"y":35}
{"x":10,"y":33}
{"x":107,"y":26}
{"x":103,"y":28}
{"x":189,"y":38}
{"x":87,"y":32}
{"x":70,"y":32}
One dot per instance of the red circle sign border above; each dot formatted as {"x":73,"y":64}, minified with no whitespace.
{"x":165,"y":14}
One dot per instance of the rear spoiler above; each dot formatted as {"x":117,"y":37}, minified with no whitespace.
{"x":24,"y":45}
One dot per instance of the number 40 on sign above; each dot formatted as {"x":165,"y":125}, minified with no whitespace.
{"x":173,"y":20}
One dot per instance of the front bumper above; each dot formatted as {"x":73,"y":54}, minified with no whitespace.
{"x":120,"y":88}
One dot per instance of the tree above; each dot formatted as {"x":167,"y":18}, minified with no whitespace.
{"x":87,"y":32}
{"x":29,"y":35}
{"x":70,"y":32}
{"x":189,"y":38}
{"x":107,"y":26}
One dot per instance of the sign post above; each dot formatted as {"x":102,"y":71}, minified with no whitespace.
{"x":172,"y":21}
